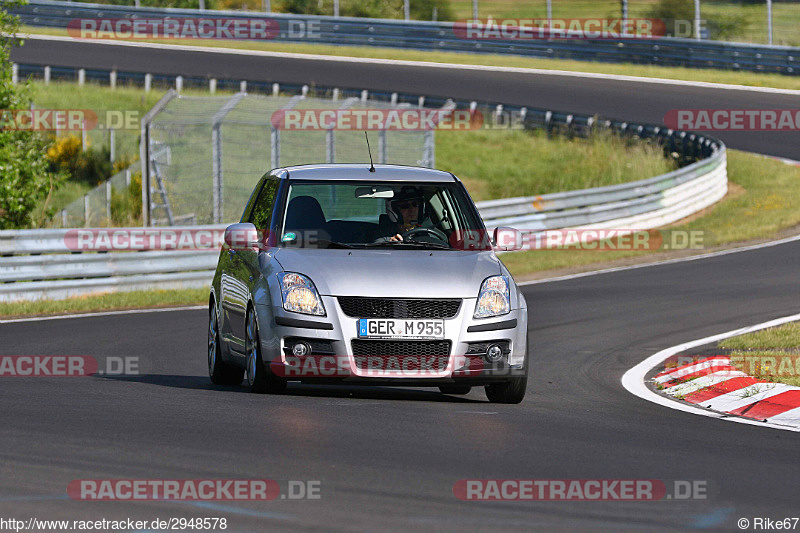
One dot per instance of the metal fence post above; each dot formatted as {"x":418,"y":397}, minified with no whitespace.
{"x":14,"y":73}
{"x":144,"y":152}
{"x":112,"y":79}
{"x":148,"y":82}
{"x":63,"y":218}
{"x":769,"y":21}
{"x":330,"y":147}
{"x":112,"y":142}
{"x":276,"y":89}
{"x":212,"y":85}
{"x":47,"y":75}
{"x":81,"y":77}
{"x":216,"y":154}
{"x":243,"y":86}
{"x":428,"y":149}
{"x":275,"y":147}
{"x":179,"y":83}
{"x":382,"y":147}
{"x":108,"y":201}
{"x":85,"y":209}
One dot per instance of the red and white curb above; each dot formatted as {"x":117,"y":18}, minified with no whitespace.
{"x":729,"y":400}
{"x":713,"y":383}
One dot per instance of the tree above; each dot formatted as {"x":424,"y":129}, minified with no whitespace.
{"x":25,"y":177}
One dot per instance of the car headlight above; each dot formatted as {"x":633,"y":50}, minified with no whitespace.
{"x":299,"y":294}
{"x":493,"y":300}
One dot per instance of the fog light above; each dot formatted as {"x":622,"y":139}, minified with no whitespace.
{"x":300,"y":349}
{"x":494,"y":353}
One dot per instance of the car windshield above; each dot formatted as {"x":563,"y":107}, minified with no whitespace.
{"x":403,"y":215}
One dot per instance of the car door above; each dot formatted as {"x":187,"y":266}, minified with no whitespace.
{"x":233,"y":290}
{"x":243,"y":265}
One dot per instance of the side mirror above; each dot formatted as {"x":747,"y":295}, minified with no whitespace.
{"x":506,"y":239}
{"x":242,"y":236}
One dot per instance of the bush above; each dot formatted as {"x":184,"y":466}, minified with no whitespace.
{"x":418,"y":9}
{"x":126,"y":204}
{"x":722,"y":27}
{"x":25,"y":176}
{"x":91,"y":167}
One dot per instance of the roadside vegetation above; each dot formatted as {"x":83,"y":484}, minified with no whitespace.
{"x":106,"y":302}
{"x":763,"y":199}
{"x":772,"y":354}
{"x":732,"y":20}
{"x":753,"y":79}
{"x":504,"y":164}
{"x":26,"y":180}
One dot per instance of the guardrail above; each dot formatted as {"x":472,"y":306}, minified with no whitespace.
{"x":422,"y":35}
{"x":42,"y":265}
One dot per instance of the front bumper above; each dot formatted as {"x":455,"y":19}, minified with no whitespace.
{"x":333,"y":358}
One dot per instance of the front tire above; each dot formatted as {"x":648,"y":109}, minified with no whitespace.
{"x":510,"y":392}
{"x":221,"y":373}
{"x":260,"y":379}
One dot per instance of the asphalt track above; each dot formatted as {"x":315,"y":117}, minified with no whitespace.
{"x":388,"y":458}
{"x":624,"y":100}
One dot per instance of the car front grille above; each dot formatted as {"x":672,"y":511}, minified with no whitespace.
{"x":401,"y":355}
{"x":358,"y":307}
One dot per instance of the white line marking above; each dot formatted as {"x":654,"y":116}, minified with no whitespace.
{"x":426,"y":64}
{"x":737,"y":399}
{"x":791,"y":416}
{"x":666,"y":262}
{"x":633,"y":379}
{"x":104,"y":313}
{"x":683,"y":389}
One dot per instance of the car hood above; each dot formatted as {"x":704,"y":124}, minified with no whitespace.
{"x":392,"y":273}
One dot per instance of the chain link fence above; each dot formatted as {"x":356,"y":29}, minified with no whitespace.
{"x":206,"y":153}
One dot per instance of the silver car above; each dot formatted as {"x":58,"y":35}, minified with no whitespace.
{"x":355,"y":274}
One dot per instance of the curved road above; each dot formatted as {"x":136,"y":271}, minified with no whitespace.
{"x":388,"y":458}
{"x":624,"y":100}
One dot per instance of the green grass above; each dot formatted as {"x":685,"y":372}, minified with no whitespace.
{"x":106,"y":302}
{"x":785,"y":15}
{"x":676,"y":73}
{"x":763,"y":198}
{"x":503,"y":164}
{"x":771,"y":354}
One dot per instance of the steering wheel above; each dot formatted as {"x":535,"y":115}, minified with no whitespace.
{"x":412,"y":234}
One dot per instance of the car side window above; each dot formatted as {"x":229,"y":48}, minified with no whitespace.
{"x":261,"y":215}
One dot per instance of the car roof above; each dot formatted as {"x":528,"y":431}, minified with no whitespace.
{"x":360,"y":172}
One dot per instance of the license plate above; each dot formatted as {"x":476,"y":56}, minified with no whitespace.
{"x":393,"y":328}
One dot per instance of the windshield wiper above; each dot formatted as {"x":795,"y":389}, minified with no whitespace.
{"x":415,"y":244}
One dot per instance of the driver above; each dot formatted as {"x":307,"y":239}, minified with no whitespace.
{"x":406,"y":211}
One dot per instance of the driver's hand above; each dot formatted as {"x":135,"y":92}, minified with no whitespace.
{"x":396,"y":238}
